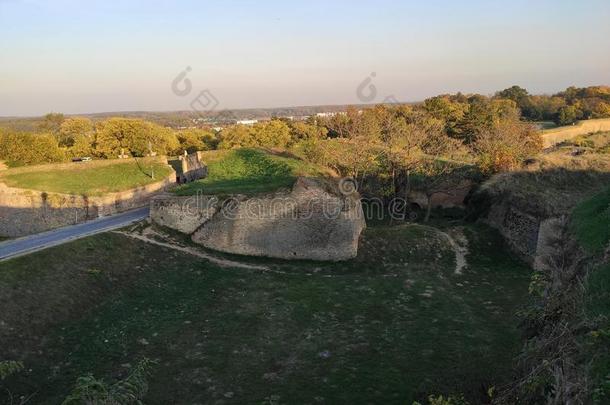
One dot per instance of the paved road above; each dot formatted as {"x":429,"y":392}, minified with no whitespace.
{"x":33,"y":243}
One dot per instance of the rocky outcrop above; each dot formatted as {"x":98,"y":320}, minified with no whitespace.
{"x":312,"y":221}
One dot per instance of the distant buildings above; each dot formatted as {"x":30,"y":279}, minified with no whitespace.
{"x":330,"y":114}
{"x":247,"y":122}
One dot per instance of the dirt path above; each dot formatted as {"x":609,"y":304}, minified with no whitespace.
{"x":3,"y":166}
{"x":459,"y":244}
{"x":191,"y":251}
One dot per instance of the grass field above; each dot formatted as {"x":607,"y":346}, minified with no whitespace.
{"x":390,"y":326}
{"x":87,"y":179}
{"x":248,"y":171}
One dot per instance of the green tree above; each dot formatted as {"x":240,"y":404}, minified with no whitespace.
{"x":72,"y":128}
{"x":451,"y":112}
{"x":271,"y":134}
{"x":134,"y":137}
{"x":23,"y":148}
{"x":302,"y":131}
{"x":51,"y":123}
{"x":195,"y":139}
{"x":483,"y":114}
{"x":568,"y":115}
{"x":237,"y":136}
{"x":505,"y":146}
{"x":82,"y":146}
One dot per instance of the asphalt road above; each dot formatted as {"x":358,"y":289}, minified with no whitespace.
{"x":33,"y":243}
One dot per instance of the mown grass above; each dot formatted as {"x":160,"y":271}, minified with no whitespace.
{"x":248,"y":171}
{"x":88,"y":181}
{"x":390,"y":326}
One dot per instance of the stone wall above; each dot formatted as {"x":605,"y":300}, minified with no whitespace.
{"x":312,"y":221}
{"x":520,"y":228}
{"x":454,"y":197}
{"x":24,"y":212}
{"x":189,"y":168}
{"x":183,"y":214}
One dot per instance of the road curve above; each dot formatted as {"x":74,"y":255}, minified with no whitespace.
{"x":33,"y":243}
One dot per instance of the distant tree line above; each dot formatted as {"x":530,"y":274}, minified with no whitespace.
{"x":397,"y":144}
{"x":60,"y":139}
{"x":564,"y":108}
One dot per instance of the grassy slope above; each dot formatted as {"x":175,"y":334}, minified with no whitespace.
{"x":591,"y":220}
{"x":248,"y":171}
{"x":90,"y":181}
{"x":558,"y":181}
{"x":390,"y":326}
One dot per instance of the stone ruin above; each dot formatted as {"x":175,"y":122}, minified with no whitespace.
{"x":314,"y":220}
{"x":189,"y":167}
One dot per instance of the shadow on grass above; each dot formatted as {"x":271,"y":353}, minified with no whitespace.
{"x":242,"y":171}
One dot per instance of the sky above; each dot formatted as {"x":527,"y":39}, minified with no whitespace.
{"x":96,"y":56}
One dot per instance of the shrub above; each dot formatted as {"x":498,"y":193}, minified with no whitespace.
{"x":131,"y":390}
{"x":8,"y":368}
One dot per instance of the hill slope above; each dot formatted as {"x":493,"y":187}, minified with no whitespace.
{"x":249,"y":171}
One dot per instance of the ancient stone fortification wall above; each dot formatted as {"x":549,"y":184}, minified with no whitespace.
{"x":520,"y":228}
{"x":183,"y":214}
{"x":189,"y":167}
{"x":24,"y":212}
{"x":313,"y":221}
{"x":554,"y":136}
{"x":454,"y":197}
{"x":527,"y":206}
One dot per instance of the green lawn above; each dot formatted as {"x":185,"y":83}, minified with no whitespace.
{"x":544,"y":125}
{"x":248,"y":171}
{"x":390,"y":326}
{"x":90,"y":181}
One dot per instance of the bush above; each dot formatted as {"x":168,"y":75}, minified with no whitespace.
{"x":131,"y":390}
{"x":506,"y":146}
{"x":8,"y":368}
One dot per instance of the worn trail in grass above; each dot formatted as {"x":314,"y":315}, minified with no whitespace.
{"x":390,"y":326}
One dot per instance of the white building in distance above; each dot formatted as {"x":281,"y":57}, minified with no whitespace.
{"x":247,"y":122}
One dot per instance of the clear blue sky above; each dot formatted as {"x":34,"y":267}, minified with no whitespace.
{"x":91,"y":56}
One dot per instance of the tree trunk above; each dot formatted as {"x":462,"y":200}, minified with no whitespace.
{"x":428,"y":209}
